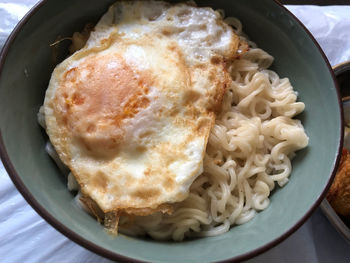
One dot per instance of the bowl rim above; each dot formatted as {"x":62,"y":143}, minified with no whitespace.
{"x":341,"y":67}
{"x":116,"y":256}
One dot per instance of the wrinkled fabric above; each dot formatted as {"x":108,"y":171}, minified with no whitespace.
{"x":330,"y":26}
{"x":26,"y":237}
{"x":10,"y":13}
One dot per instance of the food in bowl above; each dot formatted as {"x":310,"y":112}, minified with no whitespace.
{"x":171,"y":125}
{"x":339,"y":194}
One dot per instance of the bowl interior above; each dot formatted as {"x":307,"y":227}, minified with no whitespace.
{"x":25,"y":74}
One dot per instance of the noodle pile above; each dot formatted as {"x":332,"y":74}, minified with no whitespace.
{"x":248,"y":152}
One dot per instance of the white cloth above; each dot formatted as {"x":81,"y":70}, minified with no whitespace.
{"x":26,"y":237}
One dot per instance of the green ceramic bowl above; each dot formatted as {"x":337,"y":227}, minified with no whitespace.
{"x":25,"y":66}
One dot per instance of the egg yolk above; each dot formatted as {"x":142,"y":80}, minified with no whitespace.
{"x":97,"y":97}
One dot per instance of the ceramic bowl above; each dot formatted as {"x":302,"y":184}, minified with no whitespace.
{"x":27,"y":61}
{"x":342,"y":73}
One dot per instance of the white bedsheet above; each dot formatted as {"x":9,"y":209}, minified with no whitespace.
{"x":26,"y":237}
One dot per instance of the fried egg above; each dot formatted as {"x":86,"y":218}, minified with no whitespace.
{"x":130,"y":113}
